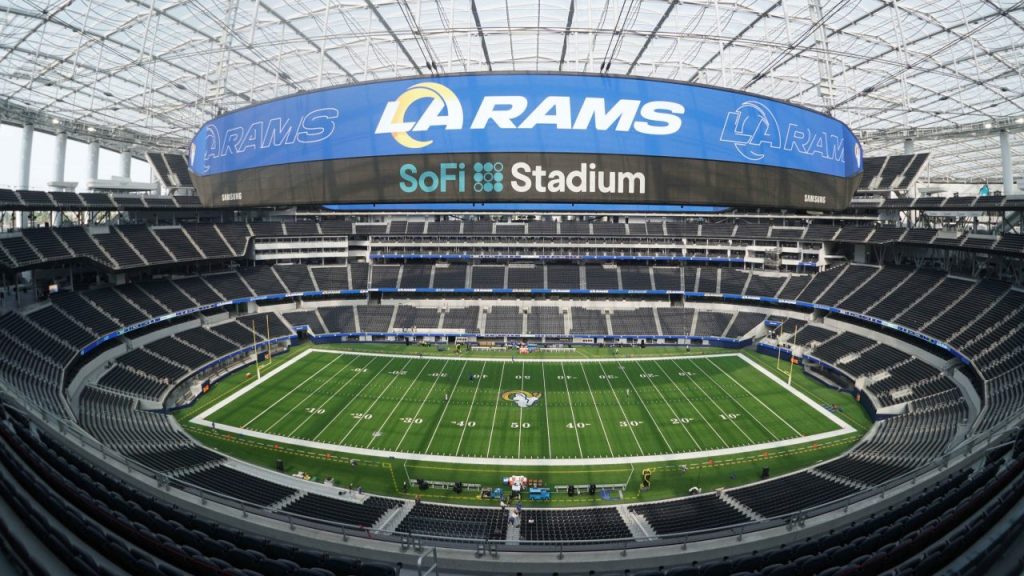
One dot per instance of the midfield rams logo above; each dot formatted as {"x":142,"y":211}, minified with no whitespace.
{"x":522,"y":398}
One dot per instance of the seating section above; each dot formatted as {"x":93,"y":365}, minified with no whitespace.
{"x":236,"y":485}
{"x":712,"y":323}
{"x":676,"y":321}
{"x":338,"y":319}
{"x":338,"y":511}
{"x":790,"y":494}
{"x":689,"y":514}
{"x":637,"y":322}
{"x":545,"y":320}
{"x":503,"y":320}
{"x":842,"y":345}
{"x":462,"y":319}
{"x":305,"y":318}
{"x":375,"y":318}
{"x":744,"y":323}
{"x":411,"y":317}
{"x":602,"y":523}
{"x":456,"y":521}
{"x":588,"y":322}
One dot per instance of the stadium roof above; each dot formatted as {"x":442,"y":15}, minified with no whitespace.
{"x":153,"y":71}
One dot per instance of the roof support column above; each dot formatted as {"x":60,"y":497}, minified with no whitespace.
{"x":126,"y":164}
{"x":1004,"y":145}
{"x":25,"y":156}
{"x":94,"y":160}
{"x":25,"y":168}
{"x":60,"y":149}
{"x":908,"y":146}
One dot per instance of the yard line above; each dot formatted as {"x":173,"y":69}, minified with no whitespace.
{"x":729,"y":376}
{"x":329,"y":398}
{"x":621,"y":409}
{"x":597,"y":409}
{"x":649,"y":415}
{"x":572,"y":412}
{"x":343,"y":408}
{"x":375,"y":400}
{"x":494,"y":416}
{"x":687,"y":398}
{"x":378,"y":433}
{"x":737,"y":402}
{"x":446,"y":404}
{"x":416,"y":415}
{"x":519,"y":447}
{"x":650,"y":379}
{"x":717,"y":405}
{"x":547,"y":423}
{"x":472,"y":402}
{"x":289,"y":393}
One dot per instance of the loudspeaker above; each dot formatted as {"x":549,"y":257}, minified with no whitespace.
{"x":458,"y":488}
{"x":279,"y":465}
{"x":764,"y":473}
{"x":592,"y":489}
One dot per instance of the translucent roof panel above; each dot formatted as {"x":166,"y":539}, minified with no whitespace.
{"x":156,"y":69}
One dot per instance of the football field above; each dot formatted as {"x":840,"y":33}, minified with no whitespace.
{"x":470,"y":410}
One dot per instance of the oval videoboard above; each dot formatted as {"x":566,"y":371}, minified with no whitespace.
{"x":554,"y":139}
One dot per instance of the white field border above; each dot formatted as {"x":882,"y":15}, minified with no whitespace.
{"x":844,"y":428}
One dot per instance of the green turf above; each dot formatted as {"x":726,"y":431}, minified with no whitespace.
{"x":621,"y":407}
{"x":410,"y":415}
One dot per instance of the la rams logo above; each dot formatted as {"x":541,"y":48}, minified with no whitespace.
{"x":749,"y":128}
{"x":444,"y":110}
{"x":522,"y":398}
{"x":204,"y":148}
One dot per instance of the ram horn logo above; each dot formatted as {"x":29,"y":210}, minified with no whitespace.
{"x":522,"y":398}
{"x":441,"y":99}
{"x":204,"y":148}
{"x":751,"y":127}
